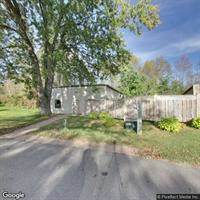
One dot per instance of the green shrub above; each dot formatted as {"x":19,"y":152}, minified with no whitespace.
{"x":93,"y":115}
{"x":99,"y":115}
{"x":195,"y":123}
{"x":171,"y":124}
{"x":109,"y":122}
{"x":105,"y":116}
{"x":106,"y":119}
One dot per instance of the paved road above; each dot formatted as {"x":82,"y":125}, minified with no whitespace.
{"x":59,"y":171}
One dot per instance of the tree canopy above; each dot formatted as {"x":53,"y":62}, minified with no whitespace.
{"x":152,"y":77}
{"x":79,"y":39}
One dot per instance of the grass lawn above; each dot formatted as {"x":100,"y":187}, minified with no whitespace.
{"x":12,"y":118}
{"x":180,"y":147}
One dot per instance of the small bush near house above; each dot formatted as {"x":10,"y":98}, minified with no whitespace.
{"x":109,"y":122}
{"x":105,"y":116}
{"x":171,"y":124}
{"x":100,"y":115}
{"x":106,"y":119}
{"x":195,"y":123}
{"x":93,"y":115}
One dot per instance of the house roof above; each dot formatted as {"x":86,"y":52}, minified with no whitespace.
{"x":87,"y":85}
{"x":188,"y":89}
{"x":192,"y":87}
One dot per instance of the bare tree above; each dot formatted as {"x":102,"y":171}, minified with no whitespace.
{"x":183,"y":70}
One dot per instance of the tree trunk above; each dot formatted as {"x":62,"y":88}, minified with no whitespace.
{"x":45,"y":97}
{"x":42,"y":83}
{"x":45,"y":94}
{"x":45,"y":104}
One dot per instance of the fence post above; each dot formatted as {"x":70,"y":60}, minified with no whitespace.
{"x":125,"y":108}
{"x":198,"y":105}
{"x":139,"y":125}
{"x":155,"y":115}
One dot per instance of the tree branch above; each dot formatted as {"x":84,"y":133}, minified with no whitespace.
{"x":12,"y":46}
{"x":15,"y":14}
{"x":5,"y":26}
{"x":58,"y":26}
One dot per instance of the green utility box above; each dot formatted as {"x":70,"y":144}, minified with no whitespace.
{"x":135,"y":125}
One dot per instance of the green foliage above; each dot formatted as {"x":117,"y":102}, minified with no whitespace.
{"x":149,"y":79}
{"x":195,"y":123}
{"x":157,"y":69}
{"x":93,"y":115}
{"x":159,"y":73}
{"x":78,"y":39}
{"x":164,"y":86}
{"x":12,"y":94}
{"x":153,"y":77}
{"x":18,"y":101}
{"x":132,"y":83}
{"x":99,"y":115}
{"x":152,"y":87}
{"x":77,"y":36}
{"x":177,"y":87}
{"x":10,"y":88}
{"x":106,"y":119}
{"x":109,"y":122}
{"x":104,"y":116}
{"x":171,"y":124}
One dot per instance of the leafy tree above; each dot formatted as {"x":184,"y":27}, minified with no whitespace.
{"x":164,"y":69}
{"x":148,"y":69}
{"x":152,"y":86}
{"x":137,"y":79}
{"x":164,"y":86}
{"x":157,"y":69}
{"x":133,"y":83}
{"x":79,"y":39}
{"x":158,"y":73}
{"x":177,"y":87}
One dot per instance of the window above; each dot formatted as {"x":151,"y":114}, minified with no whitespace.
{"x":57,"y":103}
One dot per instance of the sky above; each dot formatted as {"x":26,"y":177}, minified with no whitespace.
{"x":178,"y":33}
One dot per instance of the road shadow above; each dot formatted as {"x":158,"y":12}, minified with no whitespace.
{"x":49,"y":169}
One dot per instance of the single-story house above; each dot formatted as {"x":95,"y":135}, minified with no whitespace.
{"x":73,"y":99}
{"x":193,"y":90}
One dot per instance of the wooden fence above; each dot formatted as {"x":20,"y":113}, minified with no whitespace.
{"x":184,"y":107}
